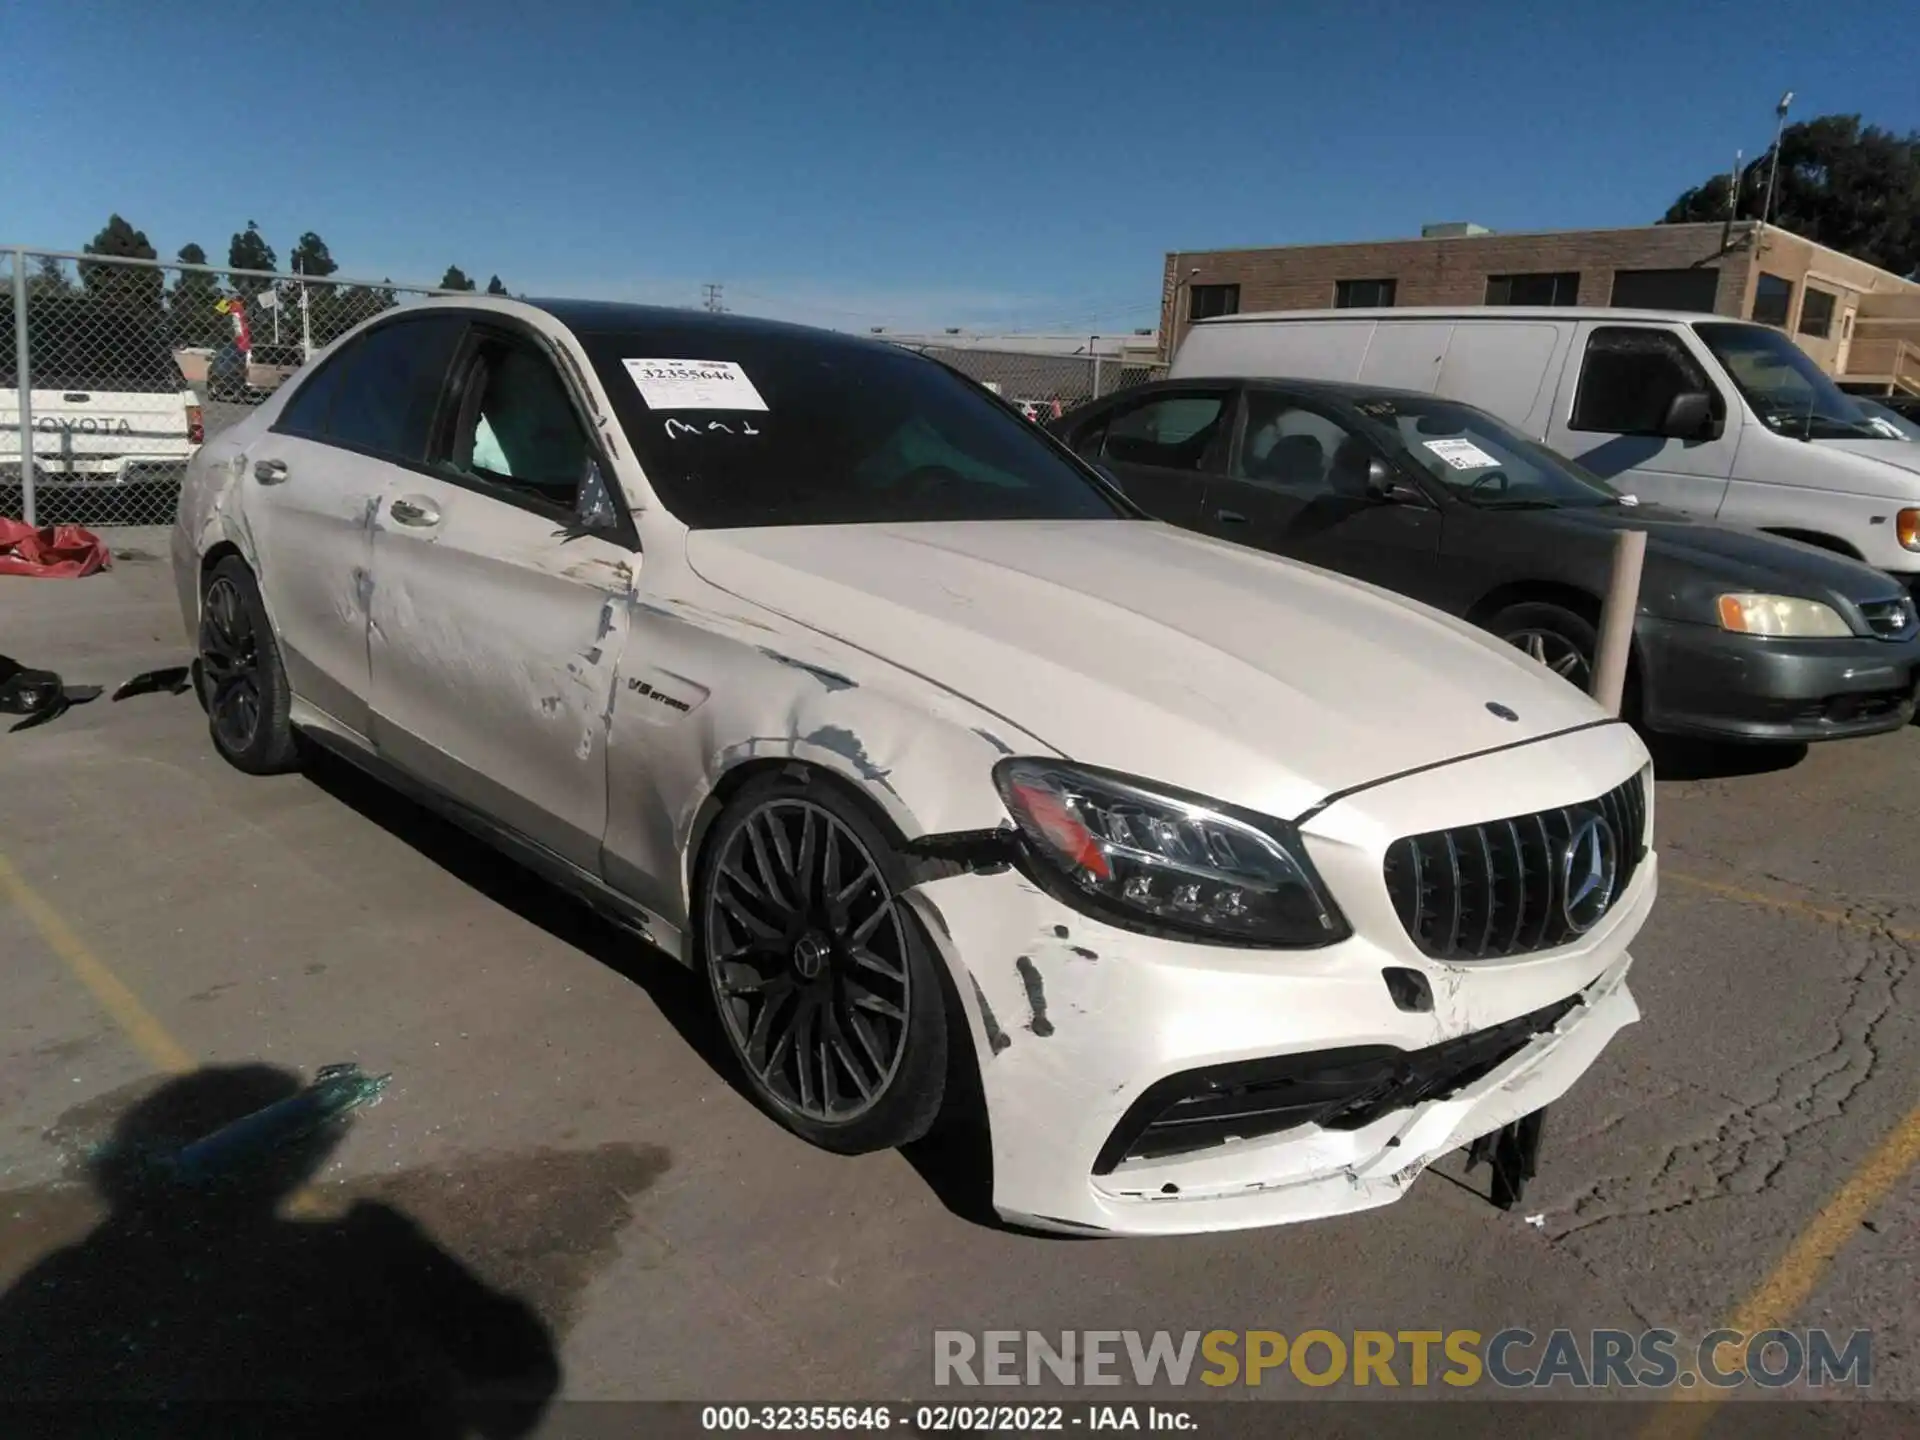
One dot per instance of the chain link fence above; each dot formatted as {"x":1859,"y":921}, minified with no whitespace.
{"x":1044,"y":386}
{"x":119,"y":370}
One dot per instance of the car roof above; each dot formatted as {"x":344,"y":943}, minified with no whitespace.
{"x":602,"y":317}
{"x":1475,"y":312}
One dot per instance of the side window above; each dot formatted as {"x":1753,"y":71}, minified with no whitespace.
{"x":517,"y":431}
{"x":1088,"y":439}
{"x":1301,"y":452}
{"x":306,"y":412}
{"x":378,"y":395}
{"x":1629,"y":376}
{"x":1169,"y":432}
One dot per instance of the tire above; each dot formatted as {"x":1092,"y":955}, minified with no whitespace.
{"x":238,"y":675}
{"x":832,"y":1009}
{"x":1564,"y":642}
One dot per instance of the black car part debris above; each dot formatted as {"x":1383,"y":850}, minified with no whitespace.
{"x":40,"y":695}
{"x":174,"y":679}
{"x":1512,"y":1152}
{"x":242,"y":1144}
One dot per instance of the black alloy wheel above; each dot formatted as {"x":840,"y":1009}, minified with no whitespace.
{"x":239,"y":675}
{"x":821,"y":977}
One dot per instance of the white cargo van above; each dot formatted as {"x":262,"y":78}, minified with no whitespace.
{"x":1719,"y":417}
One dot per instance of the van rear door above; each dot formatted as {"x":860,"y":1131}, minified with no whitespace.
{"x":1611,"y":404}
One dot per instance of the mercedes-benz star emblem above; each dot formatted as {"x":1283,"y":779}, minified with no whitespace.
{"x":1588,"y":868}
{"x":1495,"y":707}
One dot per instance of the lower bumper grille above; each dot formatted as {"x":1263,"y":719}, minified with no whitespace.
{"x":1342,"y":1089}
{"x":1482,"y":892}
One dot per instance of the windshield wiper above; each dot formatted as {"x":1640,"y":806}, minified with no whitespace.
{"x":1517,"y":504}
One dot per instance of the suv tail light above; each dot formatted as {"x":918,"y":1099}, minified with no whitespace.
{"x":196,"y":426}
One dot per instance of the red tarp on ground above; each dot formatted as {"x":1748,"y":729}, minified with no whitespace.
{"x":53,"y":552}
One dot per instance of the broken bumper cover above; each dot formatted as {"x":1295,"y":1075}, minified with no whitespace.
{"x":1098,"y":1046}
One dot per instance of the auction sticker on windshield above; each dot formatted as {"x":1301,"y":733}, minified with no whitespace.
{"x":694,"y":385}
{"x":1460,"y":454}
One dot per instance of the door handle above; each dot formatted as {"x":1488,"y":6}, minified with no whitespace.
{"x":417,"y":512}
{"x":1230,"y":517}
{"x":270,"y":472}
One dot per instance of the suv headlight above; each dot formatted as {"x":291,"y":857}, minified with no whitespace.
{"x":1780,"y":615}
{"x":1144,"y":857}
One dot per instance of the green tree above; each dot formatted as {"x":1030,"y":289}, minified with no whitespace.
{"x":1852,"y":187}
{"x":49,"y":278}
{"x":346,"y":308}
{"x":494,"y":287}
{"x":190,"y":312}
{"x":136,"y":285}
{"x":249,"y":250}
{"x":311,"y":257}
{"x":455,"y":279}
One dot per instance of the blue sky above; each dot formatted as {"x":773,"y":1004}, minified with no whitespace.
{"x":925,"y":163}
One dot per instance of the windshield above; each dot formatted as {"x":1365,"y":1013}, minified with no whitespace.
{"x":1478,"y":458}
{"x":1890,"y":424}
{"x":1786,"y":389}
{"x":851,"y":433}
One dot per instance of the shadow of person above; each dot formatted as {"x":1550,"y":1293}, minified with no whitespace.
{"x":196,"y":1307}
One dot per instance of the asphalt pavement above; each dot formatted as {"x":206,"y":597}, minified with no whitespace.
{"x":556,"y":1122}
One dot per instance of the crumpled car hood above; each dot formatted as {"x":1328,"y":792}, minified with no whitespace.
{"x":1156,"y":652}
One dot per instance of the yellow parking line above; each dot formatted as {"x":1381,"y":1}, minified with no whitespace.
{"x":1779,"y":902}
{"x":148,"y":1035}
{"x":1800,"y":1270}
{"x":138,"y":1023}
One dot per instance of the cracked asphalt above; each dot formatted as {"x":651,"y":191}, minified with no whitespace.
{"x":555,"y":1122}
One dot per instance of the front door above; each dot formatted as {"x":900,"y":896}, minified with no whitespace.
{"x":501,"y":582}
{"x":1160,"y":446}
{"x":319,"y":477}
{"x":1625,"y":378}
{"x":1297,"y":484}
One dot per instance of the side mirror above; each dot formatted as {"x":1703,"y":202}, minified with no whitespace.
{"x":1689,"y":416}
{"x":1388,"y":488}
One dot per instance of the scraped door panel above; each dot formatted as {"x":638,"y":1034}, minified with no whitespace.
{"x":494,"y":644}
{"x":310,"y":507}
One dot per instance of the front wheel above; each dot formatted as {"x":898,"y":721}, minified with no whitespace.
{"x":240,"y":679}
{"x":824,"y":984}
{"x":1558,"y":638}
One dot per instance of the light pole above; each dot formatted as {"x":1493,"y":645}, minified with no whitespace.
{"x":1773,"y":166}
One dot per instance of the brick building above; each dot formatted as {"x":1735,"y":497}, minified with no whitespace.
{"x":1860,"y":323}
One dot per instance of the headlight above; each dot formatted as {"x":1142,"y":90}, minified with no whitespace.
{"x":1161,"y":860}
{"x":1780,"y":615}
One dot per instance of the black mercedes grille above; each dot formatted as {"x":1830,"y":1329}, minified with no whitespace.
{"x":1481,"y":892}
{"x":1889,"y":619}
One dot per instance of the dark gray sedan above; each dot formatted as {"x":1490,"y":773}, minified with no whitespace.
{"x":1740,"y":635}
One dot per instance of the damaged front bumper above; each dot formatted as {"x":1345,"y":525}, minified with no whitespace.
{"x":1142,"y":1085}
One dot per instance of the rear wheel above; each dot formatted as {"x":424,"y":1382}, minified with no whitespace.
{"x":239,"y":676}
{"x":824,"y":984}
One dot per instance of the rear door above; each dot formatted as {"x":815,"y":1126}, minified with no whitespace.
{"x":1161,"y":446}
{"x":1620,"y":388}
{"x":1296,"y":484}
{"x":502,"y":573}
{"x":316,"y":484}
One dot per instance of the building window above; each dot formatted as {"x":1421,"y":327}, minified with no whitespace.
{"x":1362,"y":294}
{"x":1816,"y":313}
{"x":1211,"y":300}
{"x":1560,"y":287}
{"x":1689,"y":289}
{"x":1773,"y":300}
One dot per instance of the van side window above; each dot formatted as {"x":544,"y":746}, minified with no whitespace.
{"x":1630,"y":374}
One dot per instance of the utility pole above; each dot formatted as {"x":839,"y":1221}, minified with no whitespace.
{"x":712,"y":293}
{"x":1773,"y":166}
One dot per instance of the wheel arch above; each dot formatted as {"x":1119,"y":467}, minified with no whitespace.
{"x":1816,"y":538}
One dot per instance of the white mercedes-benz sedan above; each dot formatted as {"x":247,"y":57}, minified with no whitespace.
{"x":1246,"y":890}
